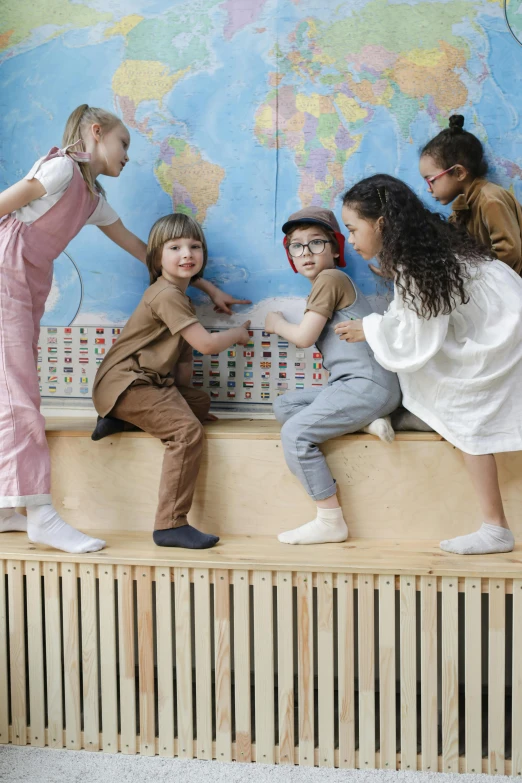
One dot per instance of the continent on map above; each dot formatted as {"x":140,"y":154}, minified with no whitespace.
{"x":193,"y":183}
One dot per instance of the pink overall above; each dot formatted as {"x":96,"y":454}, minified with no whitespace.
{"x":27,"y":253}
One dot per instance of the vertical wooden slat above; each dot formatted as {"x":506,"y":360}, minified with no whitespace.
{"x":71,"y":656}
{"x":145,"y":660}
{"x":53,"y":649}
{"x":17,"y":651}
{"x":496,"y":676}
{"x":408,"y":634}
{"x":165,"y":661}
{"x":325,"y":669}
{"x":366,"y":672}
{"x":222,"y":666}
{"x":285,"y":666}
{"x":126,"y":657}
{"x":35,"y":651}
{"x":450,"y":674}
{"x":429,"y":712}
{"x":108,"y":668}
{"x":4,"y":693}
{"x":242,"y":666}
{"x":387,"y":696}
{"x":346,"y":673}
{"x":91,"y":700}
{"x":203,"y":664}
{"x":183,"y":662}
{"x":305,"y":647}
{"x":473,"y":673}
{"x":516,"y":731}
{"x":264,"y":667}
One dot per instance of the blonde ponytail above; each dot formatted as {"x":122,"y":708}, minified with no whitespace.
{"x":76,"y":129}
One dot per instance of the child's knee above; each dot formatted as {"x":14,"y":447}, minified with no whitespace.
{"x":281,"y":409}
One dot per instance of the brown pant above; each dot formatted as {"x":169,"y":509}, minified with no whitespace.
{"x":173,"y":414}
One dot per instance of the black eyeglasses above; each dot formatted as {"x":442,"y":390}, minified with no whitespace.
{"x":316,"y":247}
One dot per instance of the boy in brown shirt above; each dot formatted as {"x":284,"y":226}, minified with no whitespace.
{"x":144,"y":379}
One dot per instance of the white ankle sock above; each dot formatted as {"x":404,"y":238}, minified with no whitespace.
{"x":328,"y":527}
{"x":486,"y":541}
{"x":382,"y":428}
{"x":11,"y":520}
{"x":45,"y":526}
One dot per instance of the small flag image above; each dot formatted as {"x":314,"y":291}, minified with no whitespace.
{"x":265,"y":375}
{"x":196,"y":353}
{"x":214,"y":363}
{"x":283,"y":365}
{"x":99,"y":341}
{"x":214,"y":394}
{"x":214,"y":383}
{"x":231,"y":384}
{"x":52,"y":330}
{"x":84,"y":341}
{"x":231,"y":364}
{"x":299,"y":386}
{"x":52,"y":360}
{"x":99,"y":350}
{"x":283,"y":354}
{"x":282,"y":385}
{"x":300,"y":355}
{"x":267,"y":354}
{"x":282,"y":344}
{"x":52,"y":389}
{"x":67,"y":330}
{"x":99,"y":330}
{"x":68,"y":370}
{"x":83,"y":330}
{"x":248,"y":354}
{"x":248,"y":384}
{"x":317,"y":376}
{"x":231,"y":353}
{"x":265,"y":344}
{"x":231,"y":395}
{"x":67,"y":390}
{"x":114,"y":340}
{"x":265,"y":385}
{"x":99,"y":360}
{"x":67,"y":340}
{"x":249,"y":364}
{"x":320,"y":385}
{"x":232,"y":374}
{"x":282,"y":374}
{"x":84,"y":380}
{"x":299,"y":375}
{"x":248,"y":395}
{"x":197,"y":373}
{"x":248,"y":374}
{"x":265,"y":365}
{"x":250,"y":333}
{"x":265,"y":395}
{"x":116,"y":331}
{"x":52,"y":340}
{"x":84,"y":360}
{"x":198,"y":363}
{"x":317,"y":355}
{"x":317,"y":366}
{"x":84,"y":390}
{"x":265,"y":334}
{"x":52,"y":350}
{"x":197,"y":383}
{"x":300,"y":365}
{"x":214,"y":373}
{"x":52,"y":379}
{"x":214,"y":356}
{"x":67,"y":351}
{"x":67,"y":380}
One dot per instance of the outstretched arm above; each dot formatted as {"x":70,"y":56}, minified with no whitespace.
{"x":303,"y":335}
{"x":222,"y":300}
{"x":126,"y":239}
{"x":20,"y":194}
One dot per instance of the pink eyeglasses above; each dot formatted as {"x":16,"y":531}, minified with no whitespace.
{"x":431,"y":180}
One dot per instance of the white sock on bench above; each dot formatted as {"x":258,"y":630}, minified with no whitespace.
{"x":382,"y":428}
{"x":11,"y":520}
{"x":328,"y":527}
{"x":45,"y":526}
{"x":489,"y":540}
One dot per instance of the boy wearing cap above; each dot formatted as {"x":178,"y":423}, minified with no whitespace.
{"x":359,"y":391}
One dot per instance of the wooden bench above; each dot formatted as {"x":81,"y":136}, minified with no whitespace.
{"x":366,"y":654}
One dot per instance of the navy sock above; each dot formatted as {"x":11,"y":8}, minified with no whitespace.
{"x":186,"y":537}
{"x":107,"y":426}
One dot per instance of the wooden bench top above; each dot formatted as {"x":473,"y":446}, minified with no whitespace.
{"x":243,"y":429}
{"x":356,"y":556}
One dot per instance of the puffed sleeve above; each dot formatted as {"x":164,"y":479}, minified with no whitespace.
{"x":401,"y":340}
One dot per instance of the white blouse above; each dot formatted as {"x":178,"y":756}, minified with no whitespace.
{"x":55,"y":175}
{"x":461,"y":373}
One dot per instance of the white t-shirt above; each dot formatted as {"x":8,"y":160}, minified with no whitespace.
{"x":55,"y":175}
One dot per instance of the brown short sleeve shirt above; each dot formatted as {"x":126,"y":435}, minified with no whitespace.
{"x":331,"y":290}
{"x":149,"y":346}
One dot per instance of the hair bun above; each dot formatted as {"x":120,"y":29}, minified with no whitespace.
{"x":456,"y":122}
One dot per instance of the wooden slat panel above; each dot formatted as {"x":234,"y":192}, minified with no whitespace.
{"x":4,"y":693}
{"x":516,"y":732}
{"x":35,"y":651}
{"x":496,"y":676}
{"x":71,"y":656}
{"x":346,"y":673}
{"x":285,"y":666}
{"x":366,"y":672}
{"x":53,"y":651}
{"x":17,"y":652}
{"x":203,"y":664}
{"x":91,"y":685}
{"x":473,"y":673}
{"x":429,"y":712}
{"x":450,"y":674}
{"x":222,"y":666}
{"x":183,"y":662}
{"x":165,"y":661}
{"x":108,"y":667}
{"x":305,"y":647}
{"x":408,"y":632}
{"x":387,"y":696}
{"x":242,"y":665}
{"x":126,"y":657}
{"x":325,"y":669}
{"x":264,"y":667}
{"x":146,"y":661}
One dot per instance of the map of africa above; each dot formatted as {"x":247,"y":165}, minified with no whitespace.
{"x":243,"y":111}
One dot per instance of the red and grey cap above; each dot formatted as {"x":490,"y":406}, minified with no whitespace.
{"x":323,"y":217}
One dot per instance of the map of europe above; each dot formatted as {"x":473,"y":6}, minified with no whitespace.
{"x":243,"y":111}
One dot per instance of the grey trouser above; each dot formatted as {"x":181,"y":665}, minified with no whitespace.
{"x":313,"y":417}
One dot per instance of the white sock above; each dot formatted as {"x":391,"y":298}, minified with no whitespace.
{"x":328,"y":527}
{"x":45,"y":526}
{"x":486,"y":541}
{"x":11,"y":520}
{"x":382,"y":428}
